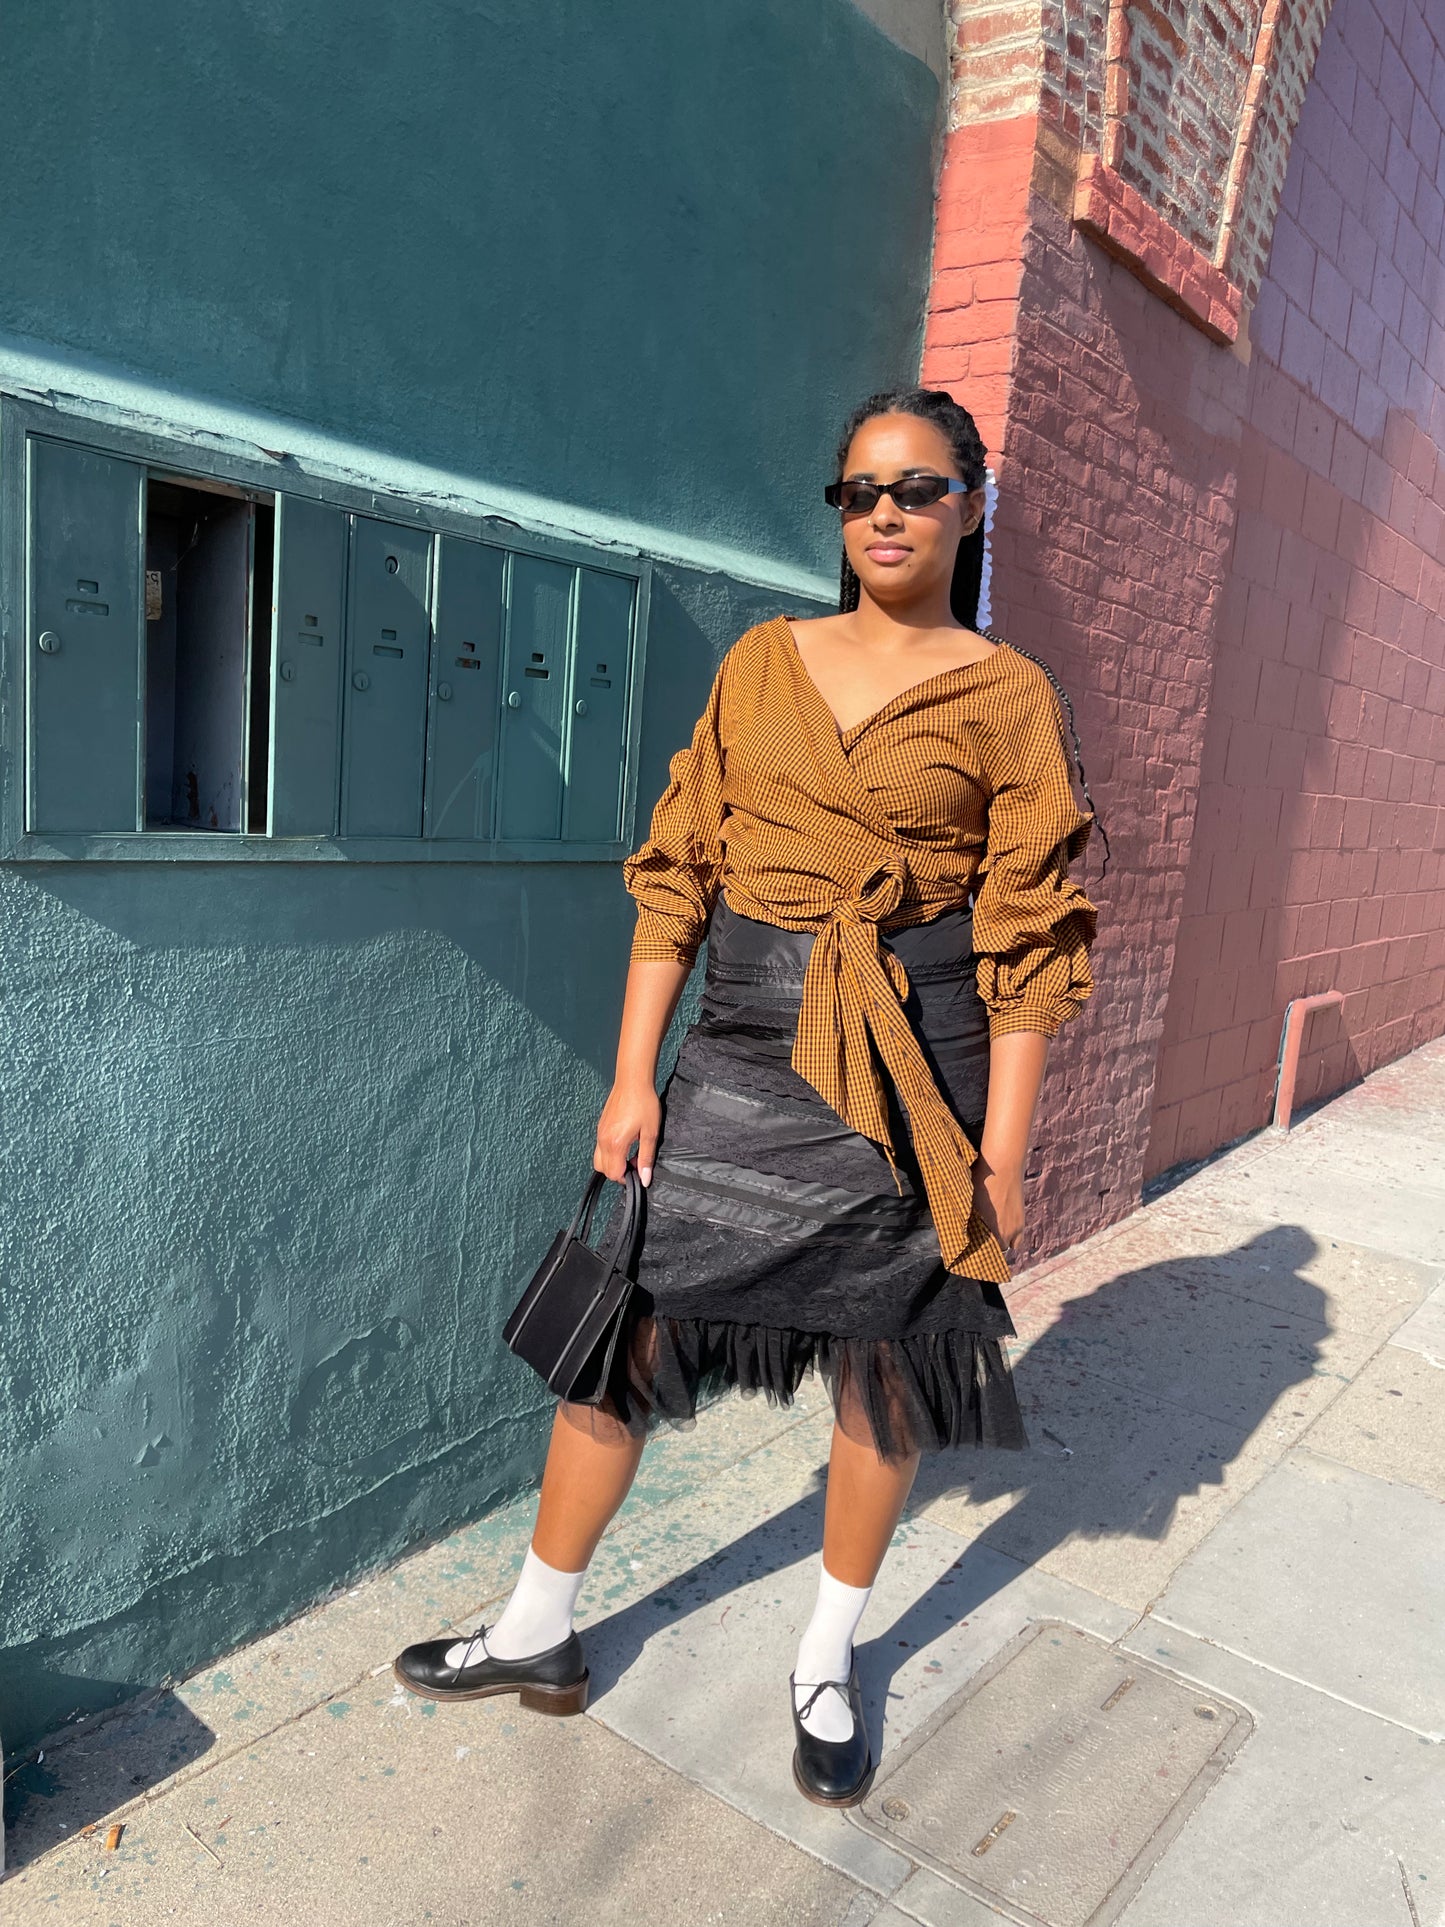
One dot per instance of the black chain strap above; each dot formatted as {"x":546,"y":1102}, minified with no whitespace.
{"x":991,"y":635}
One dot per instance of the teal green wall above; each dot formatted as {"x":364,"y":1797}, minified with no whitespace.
{"x":279,"y":1142}
{"x":640,"y":254}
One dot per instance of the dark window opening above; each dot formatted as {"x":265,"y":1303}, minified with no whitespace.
{"x":208,"y":626}
{"x":258,"y":757}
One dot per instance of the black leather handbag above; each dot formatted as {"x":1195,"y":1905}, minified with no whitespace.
{"x":568,"y":1321}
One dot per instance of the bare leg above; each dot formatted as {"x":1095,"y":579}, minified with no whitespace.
{"x":591,"y":1464}
{"x":866,"y":1497}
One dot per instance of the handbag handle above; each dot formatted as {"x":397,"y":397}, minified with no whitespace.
{"x":624,"y":1230}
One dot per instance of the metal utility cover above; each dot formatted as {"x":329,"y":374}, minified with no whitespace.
{"x":1050,"y":1785}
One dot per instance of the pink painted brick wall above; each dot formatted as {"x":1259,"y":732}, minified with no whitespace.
{"x":1112,"y":547}
{"x":980,"y":221}
{"x":1236,"y":562}
{"x":1318,"y":859}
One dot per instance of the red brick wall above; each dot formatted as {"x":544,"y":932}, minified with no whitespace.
{"x":1233,"y":556}
{"x":1193,"y":101}
{"x":981,"y":222}
{"x":1114,"y":425}
{"x":1188,"y":66}
{"x":1319,"y":856}
{"x":1111,"y":543}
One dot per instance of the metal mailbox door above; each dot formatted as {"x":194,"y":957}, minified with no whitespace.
{"x":466,"y":666}
{"x":85,"y":639}
{"x":309,"y":584}
{"x":534,"y":703}
{"x":601,"y":657}
{"x":387,"y":667}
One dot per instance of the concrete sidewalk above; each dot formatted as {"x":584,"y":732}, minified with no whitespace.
{"x":1237,"y":1398}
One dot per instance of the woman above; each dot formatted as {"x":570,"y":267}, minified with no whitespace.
{"x":840,"y":1177}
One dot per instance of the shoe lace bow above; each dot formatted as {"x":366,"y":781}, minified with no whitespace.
{"x":839,"y":1686}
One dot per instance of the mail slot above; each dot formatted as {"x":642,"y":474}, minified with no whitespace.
{"x":466,"y":665}
{"x":534,"y":710}
{"x":601,"y":665}
{"x":306,"y":657}
{"x":388,"y":653}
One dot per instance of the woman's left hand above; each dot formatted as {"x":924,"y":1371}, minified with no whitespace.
{"x":999,"y":1198}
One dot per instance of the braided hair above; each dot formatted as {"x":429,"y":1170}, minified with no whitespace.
{"x":960,"y":431}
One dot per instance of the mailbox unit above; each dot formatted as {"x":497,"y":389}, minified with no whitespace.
{"x":219,"y":660}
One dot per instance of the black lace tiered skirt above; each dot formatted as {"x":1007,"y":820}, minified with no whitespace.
{"x":775,"y":1240}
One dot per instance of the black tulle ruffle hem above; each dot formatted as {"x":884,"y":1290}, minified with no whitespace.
{"x":923,"y":1393}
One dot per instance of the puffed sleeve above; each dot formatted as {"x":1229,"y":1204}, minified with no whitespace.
{"x":1032,"y":925}
{"x":676,"y":873}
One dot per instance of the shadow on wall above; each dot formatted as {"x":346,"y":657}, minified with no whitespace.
{"x":1257,"y":621}
{"x":1143,"y":1395}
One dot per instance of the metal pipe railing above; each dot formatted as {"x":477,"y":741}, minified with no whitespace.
{"x":1295,"y":1013}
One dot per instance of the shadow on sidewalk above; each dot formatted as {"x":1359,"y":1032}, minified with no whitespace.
{"x":1168,"y":1370}
{"x":83,"y":1773}
{"x":1225,"y":1354}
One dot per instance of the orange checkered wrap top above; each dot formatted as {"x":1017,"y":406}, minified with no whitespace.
{"x":958,"y":786}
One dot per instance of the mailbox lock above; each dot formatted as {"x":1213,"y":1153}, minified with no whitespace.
{"x":514,"y":701}
{"x":582,"y":706}
{"x":444,"y":692}
{"x":288,"y":672}
{"x":49,"y":643}
{"x":361,"y":680}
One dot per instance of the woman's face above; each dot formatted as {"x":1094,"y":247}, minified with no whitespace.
{"x":902,"y":557}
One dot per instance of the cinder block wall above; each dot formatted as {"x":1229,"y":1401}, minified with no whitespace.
{"x":1318,"y":860}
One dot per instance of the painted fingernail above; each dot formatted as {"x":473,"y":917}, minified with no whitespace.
{"x":646,"y":1174}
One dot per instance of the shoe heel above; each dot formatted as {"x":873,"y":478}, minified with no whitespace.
{"x":559,"y":1701}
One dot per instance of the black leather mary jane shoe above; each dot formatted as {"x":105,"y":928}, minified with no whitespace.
{"x":832,"y":1773}
{"x":551,"y":1682}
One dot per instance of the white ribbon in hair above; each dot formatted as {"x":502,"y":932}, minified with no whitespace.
{"x":984,"y":619}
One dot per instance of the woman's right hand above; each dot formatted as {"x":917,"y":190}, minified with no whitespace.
{"x":631,"y":1115}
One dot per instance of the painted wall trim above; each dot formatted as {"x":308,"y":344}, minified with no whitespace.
{"x":1108,"y":210}
{"x":98,"y":391}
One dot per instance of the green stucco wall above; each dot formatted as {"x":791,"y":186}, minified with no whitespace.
{"x":280,"y":1141}
{"x":639,"y":255}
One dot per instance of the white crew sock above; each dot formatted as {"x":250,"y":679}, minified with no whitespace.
{"x":826,"y":1652}
{"x":537,"y":1617}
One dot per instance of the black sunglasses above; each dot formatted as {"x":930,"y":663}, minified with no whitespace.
{"x":908,"y":492}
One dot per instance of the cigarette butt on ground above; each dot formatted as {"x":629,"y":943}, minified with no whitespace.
{"x":112,"y":1836}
